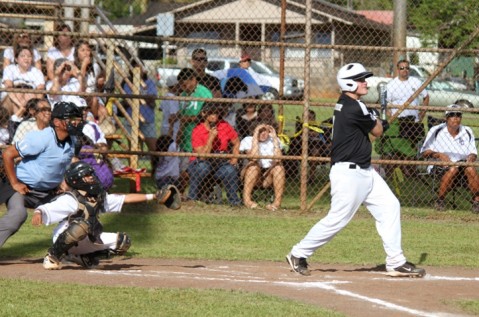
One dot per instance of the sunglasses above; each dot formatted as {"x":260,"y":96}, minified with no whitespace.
{"x":454,"y":114}
{"x":24,"y":36}
{"x":404,"y":68}
{"x":200,"y":59}
{"x":45,"y":109}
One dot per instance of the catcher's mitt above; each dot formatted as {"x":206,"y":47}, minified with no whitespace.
{"x":169,"y":196}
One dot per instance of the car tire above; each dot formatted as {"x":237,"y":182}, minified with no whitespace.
{"x":270,"y":94}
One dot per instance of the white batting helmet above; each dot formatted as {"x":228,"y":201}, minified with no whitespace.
{"x":349,"y":73}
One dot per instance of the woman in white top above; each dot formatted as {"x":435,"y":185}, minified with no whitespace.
{"x":67,"y":78}
{"x":21,"y":75}
{"x":93,"y":76}
{"x":21,"y":39}
{"x":63,"y":48}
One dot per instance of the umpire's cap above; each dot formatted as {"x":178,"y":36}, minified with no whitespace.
{"x":65,"y":110}
{"x":453,"y":111}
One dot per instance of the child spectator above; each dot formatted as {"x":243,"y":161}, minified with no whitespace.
{"x":21,"y":40}
{"x":170,"y":108}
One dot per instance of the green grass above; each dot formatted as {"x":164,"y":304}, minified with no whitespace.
{"x":217,"y":232}
{"x":48,"y":299}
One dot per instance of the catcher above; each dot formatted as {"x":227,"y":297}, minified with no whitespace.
{"x":79,"y":238}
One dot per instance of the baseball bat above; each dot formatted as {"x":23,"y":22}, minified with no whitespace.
{"x":383,"y":99}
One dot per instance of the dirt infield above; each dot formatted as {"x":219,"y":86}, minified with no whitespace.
{"x":352,"y":290}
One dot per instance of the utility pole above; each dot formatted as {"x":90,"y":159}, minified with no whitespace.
{"x":399,"y":31}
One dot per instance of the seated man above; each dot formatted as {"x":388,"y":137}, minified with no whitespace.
{"x":453,"y":142}
{"x":263,"y":172}
{"x":214,"y":135}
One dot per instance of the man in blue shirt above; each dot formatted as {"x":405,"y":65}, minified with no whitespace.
{"x":45,"y":156}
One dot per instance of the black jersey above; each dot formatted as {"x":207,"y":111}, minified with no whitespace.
{"x":352,"y":123}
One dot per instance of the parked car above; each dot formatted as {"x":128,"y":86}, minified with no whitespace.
{"x":293,"y":88}
{"x":441,"y":93}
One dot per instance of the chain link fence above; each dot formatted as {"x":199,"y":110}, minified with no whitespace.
{"x":266,"y":69}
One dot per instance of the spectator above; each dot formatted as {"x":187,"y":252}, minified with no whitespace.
{"x":263,"y":172}
{"x":39,"y":120}
{"x":401,"y":88}
{"x":170,"y":108}
{"x":188,"y":115}
{"x":266,"y":115}
{"x":245,"y":61}
{"x":245,"y":119}
{"x":199,"y":60}
{"x":167,"y":168}
{"x":147,"y":106}
{"x":453,"y":142}
{"x":21,"y":75}
{"x":94,"y":138}
{"x":94,"y":78}
{"x":45,"y":157}
{"x":67,"y":78}
{"x":62,"y":48}
{"x":21,"y":40}
{"x":214,"y":135}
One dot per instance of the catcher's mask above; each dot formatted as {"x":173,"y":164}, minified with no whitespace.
{"x":64,"y":110}
{"x":81,"y":176}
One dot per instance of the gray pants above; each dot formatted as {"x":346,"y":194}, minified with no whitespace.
{"x":16,"y":213}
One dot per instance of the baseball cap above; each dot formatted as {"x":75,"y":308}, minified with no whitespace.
{"x":245,"y":57}
{"x":453,"y":110}
{"x":78,"y":101}
{"x":171,"y":81}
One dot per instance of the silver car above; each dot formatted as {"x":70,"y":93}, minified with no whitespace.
{"x":441,"y":93}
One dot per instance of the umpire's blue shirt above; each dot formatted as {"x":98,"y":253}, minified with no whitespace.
{"x":44,"y":159}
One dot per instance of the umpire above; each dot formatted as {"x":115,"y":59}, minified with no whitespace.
{"x":354,"y":181}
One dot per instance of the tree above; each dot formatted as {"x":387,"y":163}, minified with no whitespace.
{"x":450,"y":22}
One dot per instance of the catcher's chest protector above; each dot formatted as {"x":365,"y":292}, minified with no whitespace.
{"x":90,"y":212}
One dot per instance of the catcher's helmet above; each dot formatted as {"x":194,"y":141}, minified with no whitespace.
{"x":349,"y":73}
{"x":74,"y":177}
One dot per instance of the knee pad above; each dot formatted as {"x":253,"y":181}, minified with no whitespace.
{"x":123,"y":243}
{"x":76,"y":231}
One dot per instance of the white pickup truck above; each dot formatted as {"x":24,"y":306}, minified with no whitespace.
{"x":162,"y":73}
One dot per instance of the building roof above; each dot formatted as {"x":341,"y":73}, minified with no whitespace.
{"x":380,"y":16}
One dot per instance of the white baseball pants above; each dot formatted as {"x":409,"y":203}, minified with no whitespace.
{"x":350,"y":187}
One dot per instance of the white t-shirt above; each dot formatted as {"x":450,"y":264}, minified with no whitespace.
{"x":169,"y":107}
{"x":54,"y":53}
{"x":33,"y":77}
{"x":398,"y":92}
{"x":457,"y":148}
{"x":92,"y":78}
{"x":265,"y":148}
{"x":8,"y":54}
{"x":73,"y":85}
{"x":90,"y":130}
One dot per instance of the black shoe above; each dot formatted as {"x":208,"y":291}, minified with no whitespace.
{"x":298,"y":265}
{"x":440,"y":205}
{"x":407,"y":270}
{"x":86,"y":261}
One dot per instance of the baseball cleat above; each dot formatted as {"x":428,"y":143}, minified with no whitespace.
{"x":406,"y":270}
{"x":298,"y":265}
{"x":86,"y":261}
{"x":51,"y":263}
